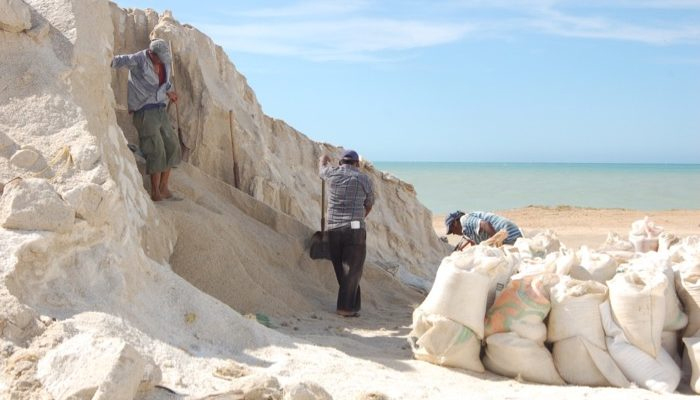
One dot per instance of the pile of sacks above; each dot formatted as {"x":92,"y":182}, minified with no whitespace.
{"x":625,"y":314}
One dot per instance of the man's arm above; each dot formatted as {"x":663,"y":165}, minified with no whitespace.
{"x":485,"y":226}
{"x":323,"y":165}
{"x":369,"y":193}
{"x":463,"y":243}
{"x":126,"y":60}
{"x":323,"y":161}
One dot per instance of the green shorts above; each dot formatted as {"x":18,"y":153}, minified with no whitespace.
{"x":159,"y":143}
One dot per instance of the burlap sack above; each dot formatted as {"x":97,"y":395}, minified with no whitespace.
{"x":441,"y":341}
{"x":638,"y":306}
{"x":524,"y":303}
{"x":510,"y":355}
{"x":659,"y":373}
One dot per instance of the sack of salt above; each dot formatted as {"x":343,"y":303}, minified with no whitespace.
{"x":658,"y":373}
{"x":638,"y":307}
{"x":449,"y":325}
{"x":644,"y":234}
{"x":515,"y":331}
{"x":594,"y":266}
{"x":575,"y":327}
{"x":622,"y":250}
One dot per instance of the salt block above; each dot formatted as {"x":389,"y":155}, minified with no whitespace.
{"x":305,"y":391}
{"x":24,"y":158}
{"x":33,"y":204}
{"x":15,"y":16}
{"x":95,"y":367}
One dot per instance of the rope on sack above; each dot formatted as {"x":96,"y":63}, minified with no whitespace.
{"x":62,"y":154}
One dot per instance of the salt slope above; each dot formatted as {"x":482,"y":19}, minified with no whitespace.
{"x":255,"y":258}
{"x":88,"y":294}
{"x":94,"y":273}
{"x":277,"y":163}
{"x":75,"y":284}
{"x":91,"y":307}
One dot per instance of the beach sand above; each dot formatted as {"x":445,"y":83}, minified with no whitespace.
{"x":381,"y":359}
{"x":577,"y":227}
{"x":355,"y":358}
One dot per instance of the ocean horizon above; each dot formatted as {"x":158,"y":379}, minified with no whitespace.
{"x":447,"y":186}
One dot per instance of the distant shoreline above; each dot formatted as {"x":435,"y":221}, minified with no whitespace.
{"x":444,"y":186}
{"x":566,"y":207}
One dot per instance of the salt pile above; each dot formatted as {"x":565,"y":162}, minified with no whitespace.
{"x":92,"y":303}
{"x":108,"y":296}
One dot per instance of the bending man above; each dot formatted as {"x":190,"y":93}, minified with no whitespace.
{"x":478,"y":226}
{"x":148,"y":93}
{"x":350,"y":199}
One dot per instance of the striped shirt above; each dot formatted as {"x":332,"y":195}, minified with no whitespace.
{"x":471,"y":222}
{"x":144,"y":83}
{"x":349,"y":192}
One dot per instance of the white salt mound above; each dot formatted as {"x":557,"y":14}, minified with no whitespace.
{"x":107,"y":295}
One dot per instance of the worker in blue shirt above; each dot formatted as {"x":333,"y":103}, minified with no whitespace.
{"x":478,"y":226}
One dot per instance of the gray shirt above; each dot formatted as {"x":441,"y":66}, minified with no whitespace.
{"x":349,"y":192}
{"x":144,"y":84}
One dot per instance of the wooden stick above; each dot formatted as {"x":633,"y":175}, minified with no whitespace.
{"x":323,"y":205}
{"x":236,"y":179}
{"x":185,"y":150}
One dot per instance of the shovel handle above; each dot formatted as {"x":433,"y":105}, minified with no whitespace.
{"x":323,"y":205}
{"x":236,"y":178}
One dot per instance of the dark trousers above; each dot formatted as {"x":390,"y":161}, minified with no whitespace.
{"x":348,"y":249}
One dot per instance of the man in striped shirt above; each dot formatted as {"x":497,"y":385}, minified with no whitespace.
{"x":478,"y":226}
{"x":350,"y":199}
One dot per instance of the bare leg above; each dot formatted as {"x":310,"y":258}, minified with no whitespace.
{"x":164,"y":191}
{"x":155,"y":186}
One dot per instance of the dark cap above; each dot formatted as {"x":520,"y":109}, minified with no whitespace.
{"x":350,"y":155}
{"x":451,"y":218}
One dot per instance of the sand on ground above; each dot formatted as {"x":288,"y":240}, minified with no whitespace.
{"x":381,"y":358}
{"x":355,"y":358}
{"x":366,"y":357}
{"x":577,"y":227}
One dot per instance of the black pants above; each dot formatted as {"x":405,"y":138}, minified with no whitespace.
{"x":348,"y":250}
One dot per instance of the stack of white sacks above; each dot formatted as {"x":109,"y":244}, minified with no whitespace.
{"x":448,"y":327}
{"x":625,"y":314}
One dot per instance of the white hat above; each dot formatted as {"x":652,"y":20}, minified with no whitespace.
{"x":160,"y":47}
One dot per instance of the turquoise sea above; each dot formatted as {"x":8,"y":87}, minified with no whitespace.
{"x":445,"y":187}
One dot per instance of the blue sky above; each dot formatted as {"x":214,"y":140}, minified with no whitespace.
{"x":471,"y":80}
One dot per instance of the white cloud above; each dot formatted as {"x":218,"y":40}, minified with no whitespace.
{"x":357,"y":30}
{"x":647,"y":4}
{"x":306,"y":9}
{"x":557,"y":23}
{"x":547,"y":16}
{"x":353,"y":39}
{"x":548,"y":4}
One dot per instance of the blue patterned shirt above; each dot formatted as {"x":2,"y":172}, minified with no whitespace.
{"x":349,"y":192}
{"x":470,"y":226}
